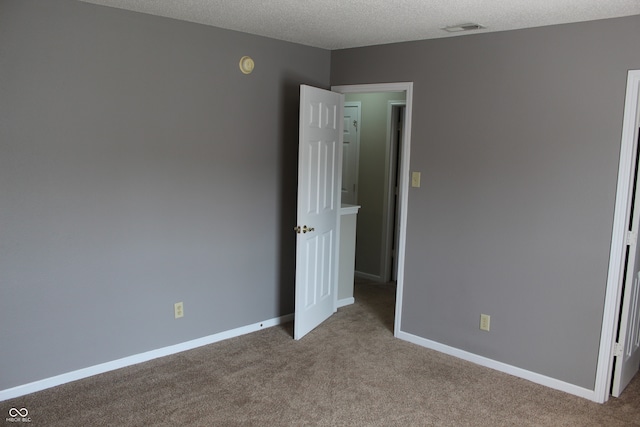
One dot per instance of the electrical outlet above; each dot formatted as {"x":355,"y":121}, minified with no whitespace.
{"x":485,"y":322}
{"x":178,"y":310}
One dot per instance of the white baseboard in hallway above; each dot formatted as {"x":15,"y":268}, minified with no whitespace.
{"x":43,"y":384}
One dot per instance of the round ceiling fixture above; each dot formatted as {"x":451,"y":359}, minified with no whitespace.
{"x":246,"y":64}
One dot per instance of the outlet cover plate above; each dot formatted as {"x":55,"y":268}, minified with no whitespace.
{"x":178,"y":310}
{"x":485,"y":322}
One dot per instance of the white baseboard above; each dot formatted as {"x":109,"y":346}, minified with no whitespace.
{"x":368,"y":276}
{"x":502,"y":367}
{"x":345,"y":301}
{"x":32,"y":387}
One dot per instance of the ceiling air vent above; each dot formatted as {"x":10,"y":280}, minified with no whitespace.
{"x":463,"y":27}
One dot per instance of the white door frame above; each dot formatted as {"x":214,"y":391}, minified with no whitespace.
{"x":615,"y":276}
{"x":403,"y":195}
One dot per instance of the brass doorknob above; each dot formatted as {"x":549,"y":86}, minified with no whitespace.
{"x":304,"y":229}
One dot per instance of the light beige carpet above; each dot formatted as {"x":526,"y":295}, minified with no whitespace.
{"x":350,"y":371}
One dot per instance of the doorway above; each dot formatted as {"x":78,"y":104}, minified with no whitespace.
{"x":375,"y":136}
{"x":402,"y":173}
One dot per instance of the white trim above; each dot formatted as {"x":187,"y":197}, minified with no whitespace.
{"x":346,"y":301}
{"x":32,"y":387}
{"x":373,"y":87}
{"x":349,"y":209}
{"x":499,"y":366}
{"x":404,"y":175}
{"x":620,"y":222}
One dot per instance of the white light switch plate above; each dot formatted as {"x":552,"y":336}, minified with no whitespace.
{"x":415,"y":179}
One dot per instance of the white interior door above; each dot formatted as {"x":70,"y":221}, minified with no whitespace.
{"x":627,"y":349}
{"x":609,"y":375}
{"x":319,"y":183}
{"x":350,"y":152}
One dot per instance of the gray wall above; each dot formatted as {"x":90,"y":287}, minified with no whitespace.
{"x":517,"y":135}
{"x":139,"y":168}
{"x":372,"y":179}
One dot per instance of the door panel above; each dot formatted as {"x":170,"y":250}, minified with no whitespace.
{"x":628,"y":362}
{"x":319,"y":175}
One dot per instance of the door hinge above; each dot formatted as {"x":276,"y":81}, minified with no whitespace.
{"x":618,"y":349}
{"x":632,"y":237}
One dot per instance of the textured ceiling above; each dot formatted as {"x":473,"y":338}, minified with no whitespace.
{"x":336,"y":24}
